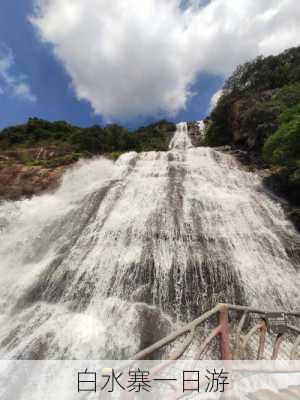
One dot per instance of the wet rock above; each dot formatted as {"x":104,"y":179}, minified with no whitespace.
{"x":18,"y":180}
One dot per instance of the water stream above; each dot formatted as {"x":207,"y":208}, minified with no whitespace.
{"x":123,"y":252}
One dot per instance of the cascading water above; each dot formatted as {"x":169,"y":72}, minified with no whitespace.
{"x":121,"y":252}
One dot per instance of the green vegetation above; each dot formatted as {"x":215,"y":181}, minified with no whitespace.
{"x":111,"y":139}
{"x":266,"y":73}
{"x":283,"y":147}
{"x":253,"y":99}
{"x":33,"y":156}
{"x":259,"y":111}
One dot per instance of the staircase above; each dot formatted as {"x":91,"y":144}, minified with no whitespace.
{"x":290,"y":393}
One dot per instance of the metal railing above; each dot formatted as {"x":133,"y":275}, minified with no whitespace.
{"x":233,"y":341}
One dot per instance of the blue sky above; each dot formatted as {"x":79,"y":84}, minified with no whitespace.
{"x":55,"y":97}
{"x":47,"y":77}
{"x":70,"y":53}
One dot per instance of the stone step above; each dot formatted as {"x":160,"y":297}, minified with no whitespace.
{"x":266,"y":394}
{"x":294,"y":393}
{"x":294,"y":390}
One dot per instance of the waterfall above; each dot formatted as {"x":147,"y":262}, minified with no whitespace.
{"x":122,"y":252}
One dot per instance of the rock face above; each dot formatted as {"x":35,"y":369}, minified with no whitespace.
{"x":28,"y":172}
{"x":34,"y":155}
{"x":246,"y":131}
{"x":18,"y":180}
{"x":197,"y":131}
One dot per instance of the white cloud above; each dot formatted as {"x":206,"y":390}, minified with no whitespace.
{"x":138,"y":57}
{"x":15,"y":84}
{"x":214,"y":99}
{"x":23,"y":90}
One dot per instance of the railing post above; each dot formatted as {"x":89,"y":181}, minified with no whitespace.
{"x":262,"y":341}
{"x":277,"y":344}
{"x":237,"y":349}
{"x":224,"y":333}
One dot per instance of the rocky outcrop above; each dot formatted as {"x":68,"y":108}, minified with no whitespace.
{"x":18,"y":180}
{"x":251,"y":117}
{"x":28,"y":172}
{"x":34,"y":155}
{"x":197,"y":131}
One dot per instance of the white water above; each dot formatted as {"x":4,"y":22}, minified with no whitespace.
{"x":121,"y":251}
{"x":201,"y":125}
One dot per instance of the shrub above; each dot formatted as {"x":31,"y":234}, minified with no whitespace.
{"x":92,"y":140}
{"x":283,"y":147}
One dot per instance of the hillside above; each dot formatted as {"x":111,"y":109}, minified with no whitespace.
{"x":33,"y":156}
{"x":259,"y":113}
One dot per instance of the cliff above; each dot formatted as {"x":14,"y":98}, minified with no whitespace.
{"x":258,"y":115}
{"x":29,"y":171}
{"x":33,"y":156}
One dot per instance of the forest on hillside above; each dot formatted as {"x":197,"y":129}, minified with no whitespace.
{"x":259,"y":112}
{"x":111,"y":140}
